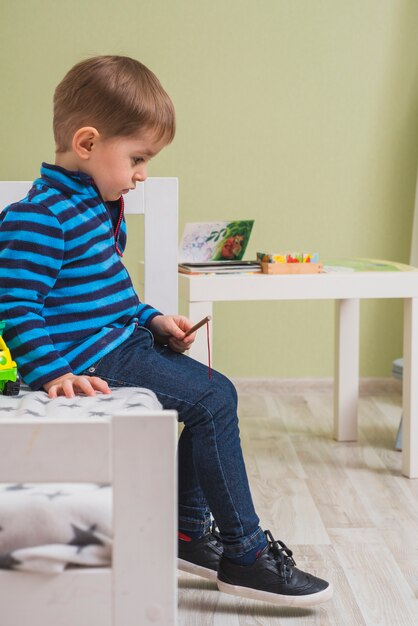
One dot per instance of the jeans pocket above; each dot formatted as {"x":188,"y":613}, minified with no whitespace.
{"x":112,"y":363}
{"x":91,"y":371}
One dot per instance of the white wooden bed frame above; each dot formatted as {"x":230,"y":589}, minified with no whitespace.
{"x":135,"y":451}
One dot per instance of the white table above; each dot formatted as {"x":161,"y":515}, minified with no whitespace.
{"x":200,"y":291}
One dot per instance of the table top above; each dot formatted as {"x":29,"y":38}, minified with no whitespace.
{"x":367,"y":279}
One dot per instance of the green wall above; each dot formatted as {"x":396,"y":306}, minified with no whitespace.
{"x":302,"y":114}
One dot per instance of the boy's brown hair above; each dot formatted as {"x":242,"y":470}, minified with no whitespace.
{"x":117,"y":95}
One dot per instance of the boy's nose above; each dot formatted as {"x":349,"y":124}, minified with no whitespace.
{"x":141,"y":174}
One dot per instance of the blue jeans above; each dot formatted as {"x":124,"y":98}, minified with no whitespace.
{"x":212,"y":474}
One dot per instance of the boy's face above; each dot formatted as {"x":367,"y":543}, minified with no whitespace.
{"x":118,"y":163}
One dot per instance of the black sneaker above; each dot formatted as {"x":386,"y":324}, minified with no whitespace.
{"x":273,"y":578}
{"x":201,"y":556}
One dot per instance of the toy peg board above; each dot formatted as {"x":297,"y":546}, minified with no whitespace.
{"x":291,"y":268}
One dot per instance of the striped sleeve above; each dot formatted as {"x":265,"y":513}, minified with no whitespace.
{"x":31,"y":253}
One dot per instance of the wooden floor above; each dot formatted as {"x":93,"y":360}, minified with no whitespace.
{"x":344,"y":509}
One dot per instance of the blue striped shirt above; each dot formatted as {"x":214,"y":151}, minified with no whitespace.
{"x":65,"y":294}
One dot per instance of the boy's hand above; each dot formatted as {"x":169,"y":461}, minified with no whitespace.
{"x":70,"y":384}
{"x":170,"y":330}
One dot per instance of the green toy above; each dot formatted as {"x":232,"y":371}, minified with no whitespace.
{"x":9,"y":378}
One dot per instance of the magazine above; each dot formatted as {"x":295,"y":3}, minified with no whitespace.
{"x":221,"y":267}
{"x":365,"y":265}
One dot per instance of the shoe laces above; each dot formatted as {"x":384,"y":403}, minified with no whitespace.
{"x":281,"y":555}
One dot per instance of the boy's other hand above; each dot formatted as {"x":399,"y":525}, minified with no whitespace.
{"x":170,"y":330}
{"x":70,"y":384}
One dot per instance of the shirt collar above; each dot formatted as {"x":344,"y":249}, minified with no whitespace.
{"x":67,"y":180}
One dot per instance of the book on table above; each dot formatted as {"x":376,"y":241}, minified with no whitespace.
{"x":216,"y":247}
{"x":221,"y":267}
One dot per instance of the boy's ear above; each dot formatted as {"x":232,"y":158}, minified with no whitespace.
{"x":84,"y":141}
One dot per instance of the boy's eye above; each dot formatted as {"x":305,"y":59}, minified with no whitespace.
{"x":137,"y":160}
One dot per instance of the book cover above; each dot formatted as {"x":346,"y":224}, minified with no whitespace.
{"x":214,"y":241}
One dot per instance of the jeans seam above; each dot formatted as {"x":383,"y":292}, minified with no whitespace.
{"x":193,"y":521}
{"x":245,"y":545}
{"x":223,"y":475}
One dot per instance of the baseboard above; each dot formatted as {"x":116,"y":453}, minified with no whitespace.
{"x":367,"y":386}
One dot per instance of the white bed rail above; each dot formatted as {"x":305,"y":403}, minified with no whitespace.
{"x":136,"y":451}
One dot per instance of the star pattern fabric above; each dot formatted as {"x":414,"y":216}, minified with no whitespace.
{"x":47,"y":527}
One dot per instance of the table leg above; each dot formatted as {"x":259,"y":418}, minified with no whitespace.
{"x":410,"y":389}
{"x":346,"y":369}
{"x":199,"y":349}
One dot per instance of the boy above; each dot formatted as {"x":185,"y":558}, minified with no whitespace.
{"x":75,"y":325}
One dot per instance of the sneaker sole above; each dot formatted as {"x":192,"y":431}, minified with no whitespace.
{"x":275,"y":598}
{"x":197,"y":570}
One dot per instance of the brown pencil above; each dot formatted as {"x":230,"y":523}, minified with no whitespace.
{"x":198,"y":325}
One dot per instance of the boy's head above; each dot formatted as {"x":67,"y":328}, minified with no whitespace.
{"x":111,"y":116}
{"x":118,"y":96}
